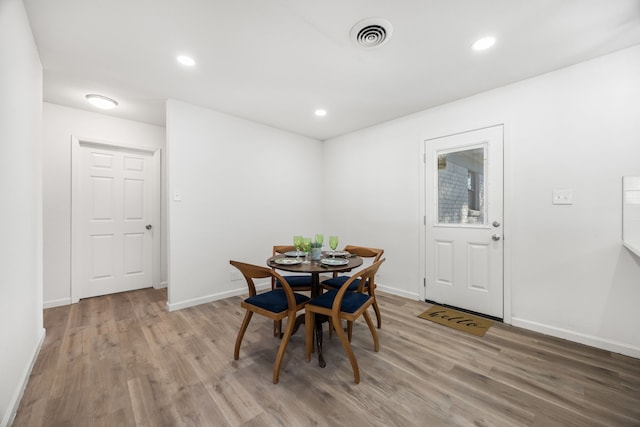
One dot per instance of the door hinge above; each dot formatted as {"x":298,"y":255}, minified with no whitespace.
{"x":424,"y":282}
{"x":424,"y":158}
{"x":424,"y":219}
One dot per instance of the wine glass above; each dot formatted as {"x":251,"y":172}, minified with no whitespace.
{"x":306,"y":246}
{"x":319,"y":238}
{"x":333,"y":243}
{"x":297,"y":242}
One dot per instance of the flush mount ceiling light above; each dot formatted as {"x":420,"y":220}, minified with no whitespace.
{"x":101,"y":102}
{"x":320,"y":112}
{"x":371,"y":32}
{"x":483,"y":43}
{"x":186,"y":60}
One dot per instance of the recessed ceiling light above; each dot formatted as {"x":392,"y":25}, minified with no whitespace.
{"x":320,"y":113}
{"x":101,"y":102}
{"x":484,"y":43}
{"x":186,"y":60}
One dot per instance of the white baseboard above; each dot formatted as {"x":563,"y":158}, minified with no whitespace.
{"x":214,"y":297}
{"x":12,"y":409}
{"x":56,"y":302}
{"x":67,"y":301}
{"x":398,"y":292}
{"x":590,"y":340}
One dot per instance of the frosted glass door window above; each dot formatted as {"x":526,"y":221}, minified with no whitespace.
{"x":461,"y":187}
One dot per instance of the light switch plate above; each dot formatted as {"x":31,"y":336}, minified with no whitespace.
{"x":562,"y":197}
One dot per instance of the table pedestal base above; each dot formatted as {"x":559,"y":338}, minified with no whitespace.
{"x":319,"y":320}
{"x":318,"y":332}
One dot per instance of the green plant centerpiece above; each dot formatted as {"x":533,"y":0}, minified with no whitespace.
{"x":316,"y":251}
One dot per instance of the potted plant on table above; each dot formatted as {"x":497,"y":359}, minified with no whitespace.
{"x":316,"y":251}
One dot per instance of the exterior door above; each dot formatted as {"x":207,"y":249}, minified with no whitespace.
{"x":114,"y":211}
{"x":464,"y":215}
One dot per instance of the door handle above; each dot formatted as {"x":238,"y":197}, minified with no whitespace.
{"x":495,"y":237}
{"x":148,"y":227}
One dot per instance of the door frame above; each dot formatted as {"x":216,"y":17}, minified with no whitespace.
{"x":506,"y":218}
{"x":77,"y":142}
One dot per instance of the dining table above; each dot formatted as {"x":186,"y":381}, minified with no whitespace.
{"x":326,"y":264}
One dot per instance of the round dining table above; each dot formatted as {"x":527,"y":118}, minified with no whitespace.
{"x":315,"y":268}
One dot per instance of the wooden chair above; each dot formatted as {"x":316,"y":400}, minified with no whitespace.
{"x":339,"y":304}
{"x":299,"y":282}
{"x":275,"y":304}
{"x":337,"y":281}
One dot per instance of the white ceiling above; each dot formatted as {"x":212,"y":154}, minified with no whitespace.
{"x":276,"y":61}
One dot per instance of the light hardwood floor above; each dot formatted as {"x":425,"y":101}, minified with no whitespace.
{"x":123,"y":360}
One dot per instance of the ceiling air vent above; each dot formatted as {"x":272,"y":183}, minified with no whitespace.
{"x":371,"y":32}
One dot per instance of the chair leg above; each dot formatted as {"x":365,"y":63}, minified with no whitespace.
{"x":277,"y":328}
{"x":331,"y":330}
{"x":347,"y":347}
{"x":349,"y":330}
{"x":309,"y":321}
{"x":243,"y":329}
{"x":291,"y":321}
{"x":374,"y":334}
{"x":378,"y":315}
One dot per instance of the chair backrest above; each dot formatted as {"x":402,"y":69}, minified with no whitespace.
{"x":277,"y":250}
{"x":280,"y":249}
{"x":365,"y":252}
{"x":250,"y":272}
{"x":367,"y":278}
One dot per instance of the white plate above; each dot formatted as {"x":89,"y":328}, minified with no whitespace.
{"x":334,"y":261}
{"x":287,"y":261}
{"x":340,"y":253}
{"x":294,"y":253}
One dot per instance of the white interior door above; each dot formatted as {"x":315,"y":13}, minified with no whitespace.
{"x":464,"y":215}
{"x":114,"y":209}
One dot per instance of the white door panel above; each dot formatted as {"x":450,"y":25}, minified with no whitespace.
{"x":115,"y":204}
{"x":444,"y":262}
{"x":464,"y":191}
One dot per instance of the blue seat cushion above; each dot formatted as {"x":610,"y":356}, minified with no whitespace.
{"x":275,"y":300}
{"x":296,"y":281}
{"x":337,"y":282}
{"x":351,"y":301}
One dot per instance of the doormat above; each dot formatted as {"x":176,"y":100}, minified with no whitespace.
{"x":457,"y":320}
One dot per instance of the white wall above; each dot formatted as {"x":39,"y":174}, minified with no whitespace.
{"x":59,"y":124}
{"x":577,"y":128}
{"x":244,"y":187}
{"x":21,"y":328}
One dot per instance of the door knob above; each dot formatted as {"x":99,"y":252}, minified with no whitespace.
{"x":495,"y":237}
{"x":496,"y":224}
{"x":148,"y":227}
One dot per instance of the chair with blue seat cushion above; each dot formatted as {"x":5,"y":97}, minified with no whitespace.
{"x":276,"y":304}
{"x":299,"y":282}
{"x":337,"y":281}
{"x":342,"y":304}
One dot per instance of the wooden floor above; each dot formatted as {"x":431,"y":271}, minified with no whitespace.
{"x":123,"y":360}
